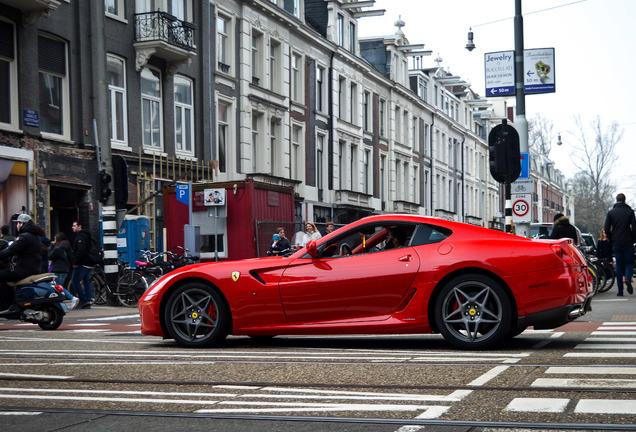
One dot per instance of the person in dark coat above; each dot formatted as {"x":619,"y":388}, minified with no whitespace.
{"x":60,"y":256}
{"x":563,"y":228}
{"x":620,"y":227}
{"x":26,"y":252}
{"x":82,"y":266}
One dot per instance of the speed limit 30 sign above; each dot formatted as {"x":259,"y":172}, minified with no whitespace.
{"x":521,"y":205}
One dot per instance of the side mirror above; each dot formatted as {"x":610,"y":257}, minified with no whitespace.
{"x":312,"y":249}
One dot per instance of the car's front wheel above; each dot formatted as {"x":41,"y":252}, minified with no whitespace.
{"x":473,"y":312}
{"x":197,"y":316}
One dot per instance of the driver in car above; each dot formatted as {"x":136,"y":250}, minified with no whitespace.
{"x":395,"y":238}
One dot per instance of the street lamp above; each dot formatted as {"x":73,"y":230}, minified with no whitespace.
{"x":470,"y":45}
{"x":559,"y":142}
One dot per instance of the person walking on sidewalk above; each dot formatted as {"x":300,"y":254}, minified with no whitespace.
{"x":82,"y":266}
{"x":620,"y":227}
{"x":60,"y":254}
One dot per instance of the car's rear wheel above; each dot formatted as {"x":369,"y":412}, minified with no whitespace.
{"x":473,"y":312}
{"x":197,"y":316}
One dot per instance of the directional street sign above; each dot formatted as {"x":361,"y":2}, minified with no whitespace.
{"x":500,"y":73}
{"x":538,"y":66}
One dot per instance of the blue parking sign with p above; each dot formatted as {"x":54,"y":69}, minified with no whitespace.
{"x":183,"y":193}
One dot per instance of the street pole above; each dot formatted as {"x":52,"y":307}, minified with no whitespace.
{"x":521,"y":124}
{"x":102,"y":139}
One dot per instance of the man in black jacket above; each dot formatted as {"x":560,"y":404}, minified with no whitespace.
{"x":28,"y":259}
{"x":620,"y":227}
{"x":82,"y":266}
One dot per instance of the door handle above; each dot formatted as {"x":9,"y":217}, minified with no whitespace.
{"x":406,"y":258}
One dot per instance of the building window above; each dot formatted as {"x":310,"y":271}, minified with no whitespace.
{"x":320,"y":175}
{"x":183,"y":115}
{"x":353,"y":112}
{"x":53,"y":87}
{"x":181,"y":9}
{"x":222,"y":136}
{"x":256,"y":139}
{"x":223,"y":39}
{"x":367,"y":171}
{"x":354,"y":175}
{"x":340,"y":29}
{"x":296,"y":78}
{"x":296,"y":153}
{"x":382,"y":182}
{"x":398,"y":124}
{"x":115,"y":8}
{"x":274,"y":66}
{"x":422,"y":89}
{"x":274,"y":146}
{"x":342,"y":157}
{"x":117,"y":92}
{"x":320,"y":89}
{"x":382,"y":118}
{"x":342,"y":98}
{"x":257,"y":60}
{"x":352,"y":37}
{"x":9,"y":116}
{"x":151,"y":111}
{"x":366,"y":110}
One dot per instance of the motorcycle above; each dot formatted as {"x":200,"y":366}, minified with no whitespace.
{"x":39,"y":301}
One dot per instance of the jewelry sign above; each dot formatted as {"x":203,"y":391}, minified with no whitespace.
{"x":500,"y":73}
{"x":538,"y":66}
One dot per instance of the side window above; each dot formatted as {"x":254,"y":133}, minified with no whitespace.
{"x":370,"y":239}
{"x":429,"y":234}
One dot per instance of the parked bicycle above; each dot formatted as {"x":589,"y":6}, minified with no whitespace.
{"x":129,"y":287}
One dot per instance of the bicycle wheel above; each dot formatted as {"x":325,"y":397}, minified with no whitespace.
{"x":610,"y":275}
{"x":99,"y":290}
{"x":130,"y":288}
{"x":592,"y":269}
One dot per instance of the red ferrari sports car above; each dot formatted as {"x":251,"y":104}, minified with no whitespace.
{"x":387,"y":274}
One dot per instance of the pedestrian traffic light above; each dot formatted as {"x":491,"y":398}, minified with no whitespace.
{"x":503,"y":153}
{"x":104,"y":189}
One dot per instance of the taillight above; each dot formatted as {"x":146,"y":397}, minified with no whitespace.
{"x":561,"y":253}
{"x":59,"y":288}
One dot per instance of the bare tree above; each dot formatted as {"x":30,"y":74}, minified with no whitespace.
{"x":540,"y":135}
{"x":594,"y":157}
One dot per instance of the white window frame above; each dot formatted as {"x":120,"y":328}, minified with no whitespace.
{"x":225,"y":55}
{"x":184,"y":12}
{"x":113,"y":92}
{"x":340,"y":30}
{"x":258,"y":67}
{"x":296,"y":163}
{"x":120,"y":13}
{"x":275,"y":61}
{"x":186,"y":126}
{"x":229,"y":126}
{"x":65,"y":98}
{"x":153,"y":100}
{"x":321,"y":89}
{"x":14,"y":105}
{"x":297,"y":80}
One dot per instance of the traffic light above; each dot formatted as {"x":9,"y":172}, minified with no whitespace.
{"x":104,"y":189}
{"x":503,"y":153}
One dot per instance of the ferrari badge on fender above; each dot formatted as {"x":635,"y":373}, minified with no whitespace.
{"x":235,"y":275}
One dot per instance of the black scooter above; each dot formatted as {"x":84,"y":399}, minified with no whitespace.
{"x":39,"y":301}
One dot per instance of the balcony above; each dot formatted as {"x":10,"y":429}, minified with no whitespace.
{"x":32,"y":10}
{"x":162,"y":35}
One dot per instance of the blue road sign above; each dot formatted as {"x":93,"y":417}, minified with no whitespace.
{"x":183,"y":193}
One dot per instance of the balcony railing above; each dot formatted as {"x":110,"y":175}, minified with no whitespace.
{"x":161,"y":26}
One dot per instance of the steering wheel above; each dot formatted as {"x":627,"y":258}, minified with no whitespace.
{"x":345,"y":249}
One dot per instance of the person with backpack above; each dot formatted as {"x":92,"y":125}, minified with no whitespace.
{"x":82,"y":266}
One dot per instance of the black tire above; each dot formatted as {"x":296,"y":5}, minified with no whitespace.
{"x":55,"y":321}
{"x":610,"y":275}
{"x":130,"y":288}
{"x":196,"y":316}
{"x":100,"y":295}
{"x":473,"y":312}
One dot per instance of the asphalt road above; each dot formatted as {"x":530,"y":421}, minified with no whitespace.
{"x":98,"y":373}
